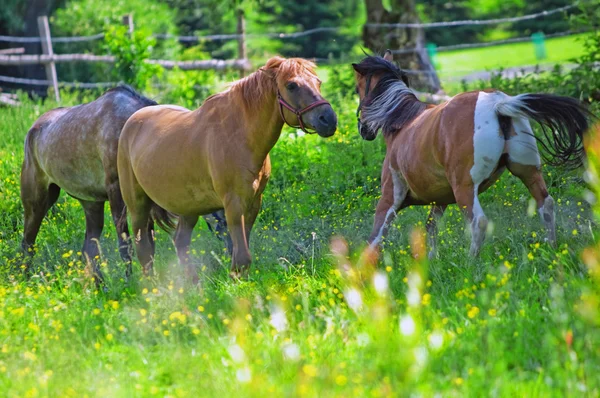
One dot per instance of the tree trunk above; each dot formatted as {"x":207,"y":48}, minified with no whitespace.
{"x":378,"y":39}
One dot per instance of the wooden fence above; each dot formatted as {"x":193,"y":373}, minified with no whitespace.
{"x":49,"y":59}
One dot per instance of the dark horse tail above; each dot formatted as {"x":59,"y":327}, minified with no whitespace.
{"x":163,"y":218}
{"x":564,"y":121}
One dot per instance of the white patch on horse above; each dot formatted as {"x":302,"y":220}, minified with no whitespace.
{"x":521,"y":148}
{"x":546,"y":213}
{"x":477,"y":209}
{"x":400,"y":191}
{"x":478,"y":225}
{"x":488,"y":141}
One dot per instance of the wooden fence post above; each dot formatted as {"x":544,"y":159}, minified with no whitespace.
{"x":241,"y":31}
{"x":46,"y":40}
{"x":128,"y":21}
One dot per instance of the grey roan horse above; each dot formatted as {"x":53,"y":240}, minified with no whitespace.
{"x":75,"y":149}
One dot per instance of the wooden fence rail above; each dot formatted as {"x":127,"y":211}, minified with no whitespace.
{"x":49,"y":59}
{"x":43,"y":59}
{"x":242,"y":64}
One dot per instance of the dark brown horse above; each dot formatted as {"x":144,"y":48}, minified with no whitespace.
{"x":75,"y":149}
{"x":191,"y":163}
{"x":450,"y":153}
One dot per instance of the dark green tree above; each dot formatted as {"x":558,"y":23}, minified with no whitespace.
{"x":447,"y":11}
{"x":554,"y":23}
{"x":295,"y":15}
{"x":378,"y":39}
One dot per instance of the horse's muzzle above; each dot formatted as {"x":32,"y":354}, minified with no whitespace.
{"x":366,"y":133}
{"x":325,"y":123}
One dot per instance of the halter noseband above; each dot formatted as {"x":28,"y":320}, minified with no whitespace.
{"x":361,"y":102}
{"x":297,"y":112}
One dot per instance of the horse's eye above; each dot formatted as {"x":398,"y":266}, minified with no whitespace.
{"x":291,"y":86}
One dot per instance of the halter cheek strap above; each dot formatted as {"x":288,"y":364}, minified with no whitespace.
{"x":297,"y":112}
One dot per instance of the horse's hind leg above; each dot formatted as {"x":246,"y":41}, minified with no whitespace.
{"x":532,"y":177}
{"x":119,"y":216}
{"x":467,"y":200}
{"x":143,"y":227}
{"x":94,"y":223}
{"x":524,"y":162}
{"x":138,"y":207}
{"x":38,"y":197}
{"x":434,"y":215}
{"x":182,"y":239}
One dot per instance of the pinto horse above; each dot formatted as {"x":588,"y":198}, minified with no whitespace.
{"x":450,"y":153}
{"x":191,"y":163}
{"x":75,"y":149}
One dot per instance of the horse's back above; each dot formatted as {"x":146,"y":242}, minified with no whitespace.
{"x":436,"y":150}
{"x":154,"y":125}
{"x":76,"y":147}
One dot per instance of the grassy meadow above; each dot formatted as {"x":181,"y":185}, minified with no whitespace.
{"x":520,"y":320}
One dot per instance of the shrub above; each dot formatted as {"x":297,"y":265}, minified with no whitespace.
{"x":131,"y":52}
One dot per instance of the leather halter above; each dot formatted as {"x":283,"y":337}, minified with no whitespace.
{"x":297,"y":112}
{"x":361,"y":102}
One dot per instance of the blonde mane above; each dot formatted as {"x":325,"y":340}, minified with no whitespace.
{"x":263,"y":82}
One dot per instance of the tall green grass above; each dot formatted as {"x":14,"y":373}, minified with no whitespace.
{"x":308,"y":321}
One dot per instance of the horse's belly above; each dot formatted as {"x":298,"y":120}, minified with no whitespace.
{"x":186,"y":199}
{"x":429,"y":186}
{"x":84,"y":185}
{"x":70,"y":157}
{"x":438,"y":194}
{"x":81,"y":178}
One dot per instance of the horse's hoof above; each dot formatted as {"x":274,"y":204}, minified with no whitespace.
{"x":432,"y":255}
{"x":239,"y":273}
{"x":193,"y":277}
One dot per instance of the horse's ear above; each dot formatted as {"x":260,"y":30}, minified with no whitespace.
{"x":404,"y":78}
{"x":272,"y":66}
{"x":388,"y":56}
{"x":271,"y":73}
{"x":358,"y":69}
{"x":274,"y":62}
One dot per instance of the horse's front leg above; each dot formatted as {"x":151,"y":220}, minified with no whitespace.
{"x":393,"y":192}
{"x":432,"y":231}
{"x":236,"y":213}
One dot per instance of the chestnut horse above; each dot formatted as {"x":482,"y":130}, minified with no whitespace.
{"x":450,"y":153}
{"x":75,"y":149}
{"x":192,"y":163}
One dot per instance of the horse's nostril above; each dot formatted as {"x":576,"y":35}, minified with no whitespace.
{"x":323,"y":119}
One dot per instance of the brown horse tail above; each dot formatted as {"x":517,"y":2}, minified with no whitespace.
{"x":166,"y":220}
{"x":564,"y":121}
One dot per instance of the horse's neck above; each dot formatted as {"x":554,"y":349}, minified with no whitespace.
{"x":262,"y":127}
{"x":389,"y":138}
